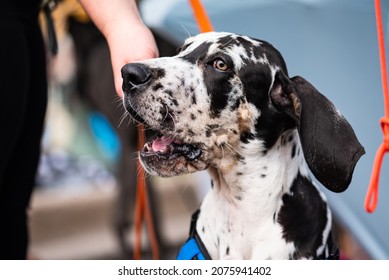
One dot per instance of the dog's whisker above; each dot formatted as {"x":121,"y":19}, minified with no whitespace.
{"x":223,"y":155}
{"x":124,"y":117}
{"x":233,"y":150}
{"x":187,"y":33}
{"x":166,"y":114}
{"x":174,"y":122}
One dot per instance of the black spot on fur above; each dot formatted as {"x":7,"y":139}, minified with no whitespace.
{"x":190,"y":132}
{"x":239,"y":156}
{"x":239,"y":173}
{"x":194,"y":99}
{"x":203,"y":229}
{"x":210,"y":128}
{"x":169,"y":92}
{"x":218,"y":88}
{"x":303,"y":217}
{"x":193,"y":117}
{"x":236,"y":103}
{"x":175,"y":102}
{"x":294,"y":150}
{"x":158,"y":73}
{"x":246,"y":136}
{"x":263,"y":175}
{"x":228,"y":250}
{"x":157,"y":86}
{"x":198,"y":54}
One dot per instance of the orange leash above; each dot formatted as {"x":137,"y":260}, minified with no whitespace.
{"x":371,"y":199}
{"x":142,"y":207}
{"x":201,"y":16}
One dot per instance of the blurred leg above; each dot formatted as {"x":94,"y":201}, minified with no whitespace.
{"x":24,"y":97}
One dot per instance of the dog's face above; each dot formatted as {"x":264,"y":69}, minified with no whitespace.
{"x":221,"y":91}
{"x":203,"y":102}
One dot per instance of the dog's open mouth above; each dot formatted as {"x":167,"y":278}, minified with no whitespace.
{"x":166,"y":156}
{"x":168,"y":148}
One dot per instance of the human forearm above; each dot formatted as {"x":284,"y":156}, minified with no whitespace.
{"x":108,"y":14}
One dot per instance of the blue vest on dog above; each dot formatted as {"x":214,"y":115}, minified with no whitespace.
{"x":193,"y":249}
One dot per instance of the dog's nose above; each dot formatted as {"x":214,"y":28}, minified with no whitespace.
{"x":135,"y":74}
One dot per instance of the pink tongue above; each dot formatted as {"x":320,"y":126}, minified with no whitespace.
{"x":161,"y":143}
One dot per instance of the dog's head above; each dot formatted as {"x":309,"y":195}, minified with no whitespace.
{"x":224,"y":90}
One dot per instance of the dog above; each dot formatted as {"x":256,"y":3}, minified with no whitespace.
{"x":225,"y":103}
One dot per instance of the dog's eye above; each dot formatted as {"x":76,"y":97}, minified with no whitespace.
{"x":220,"y":64}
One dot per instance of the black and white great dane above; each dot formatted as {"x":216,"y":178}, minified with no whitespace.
{"x":225,"y":103}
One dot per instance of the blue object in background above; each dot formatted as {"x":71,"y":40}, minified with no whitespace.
{"x":331,"y":43}
{"x":105,"y":135}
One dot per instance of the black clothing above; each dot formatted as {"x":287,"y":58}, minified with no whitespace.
{"x":23,"y":98}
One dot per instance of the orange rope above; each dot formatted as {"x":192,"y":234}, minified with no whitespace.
{"x":371,"y":199}
{"x":201,"y":16}
{"x":142,"y":208}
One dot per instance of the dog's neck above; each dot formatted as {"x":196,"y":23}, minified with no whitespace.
{"x":247,"y":195}
{"x":263,"y":175}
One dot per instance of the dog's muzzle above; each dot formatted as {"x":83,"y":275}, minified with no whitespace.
{"x":165,"y":155}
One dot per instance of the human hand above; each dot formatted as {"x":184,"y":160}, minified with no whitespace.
{"x":129,"y":44}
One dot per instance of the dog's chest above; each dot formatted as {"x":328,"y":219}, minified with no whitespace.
{"x":229,"y":234}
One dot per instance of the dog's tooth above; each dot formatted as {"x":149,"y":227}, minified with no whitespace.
{"x":147,"y":147}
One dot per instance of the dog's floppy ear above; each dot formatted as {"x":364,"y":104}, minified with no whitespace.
{"x":330,"y":145}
